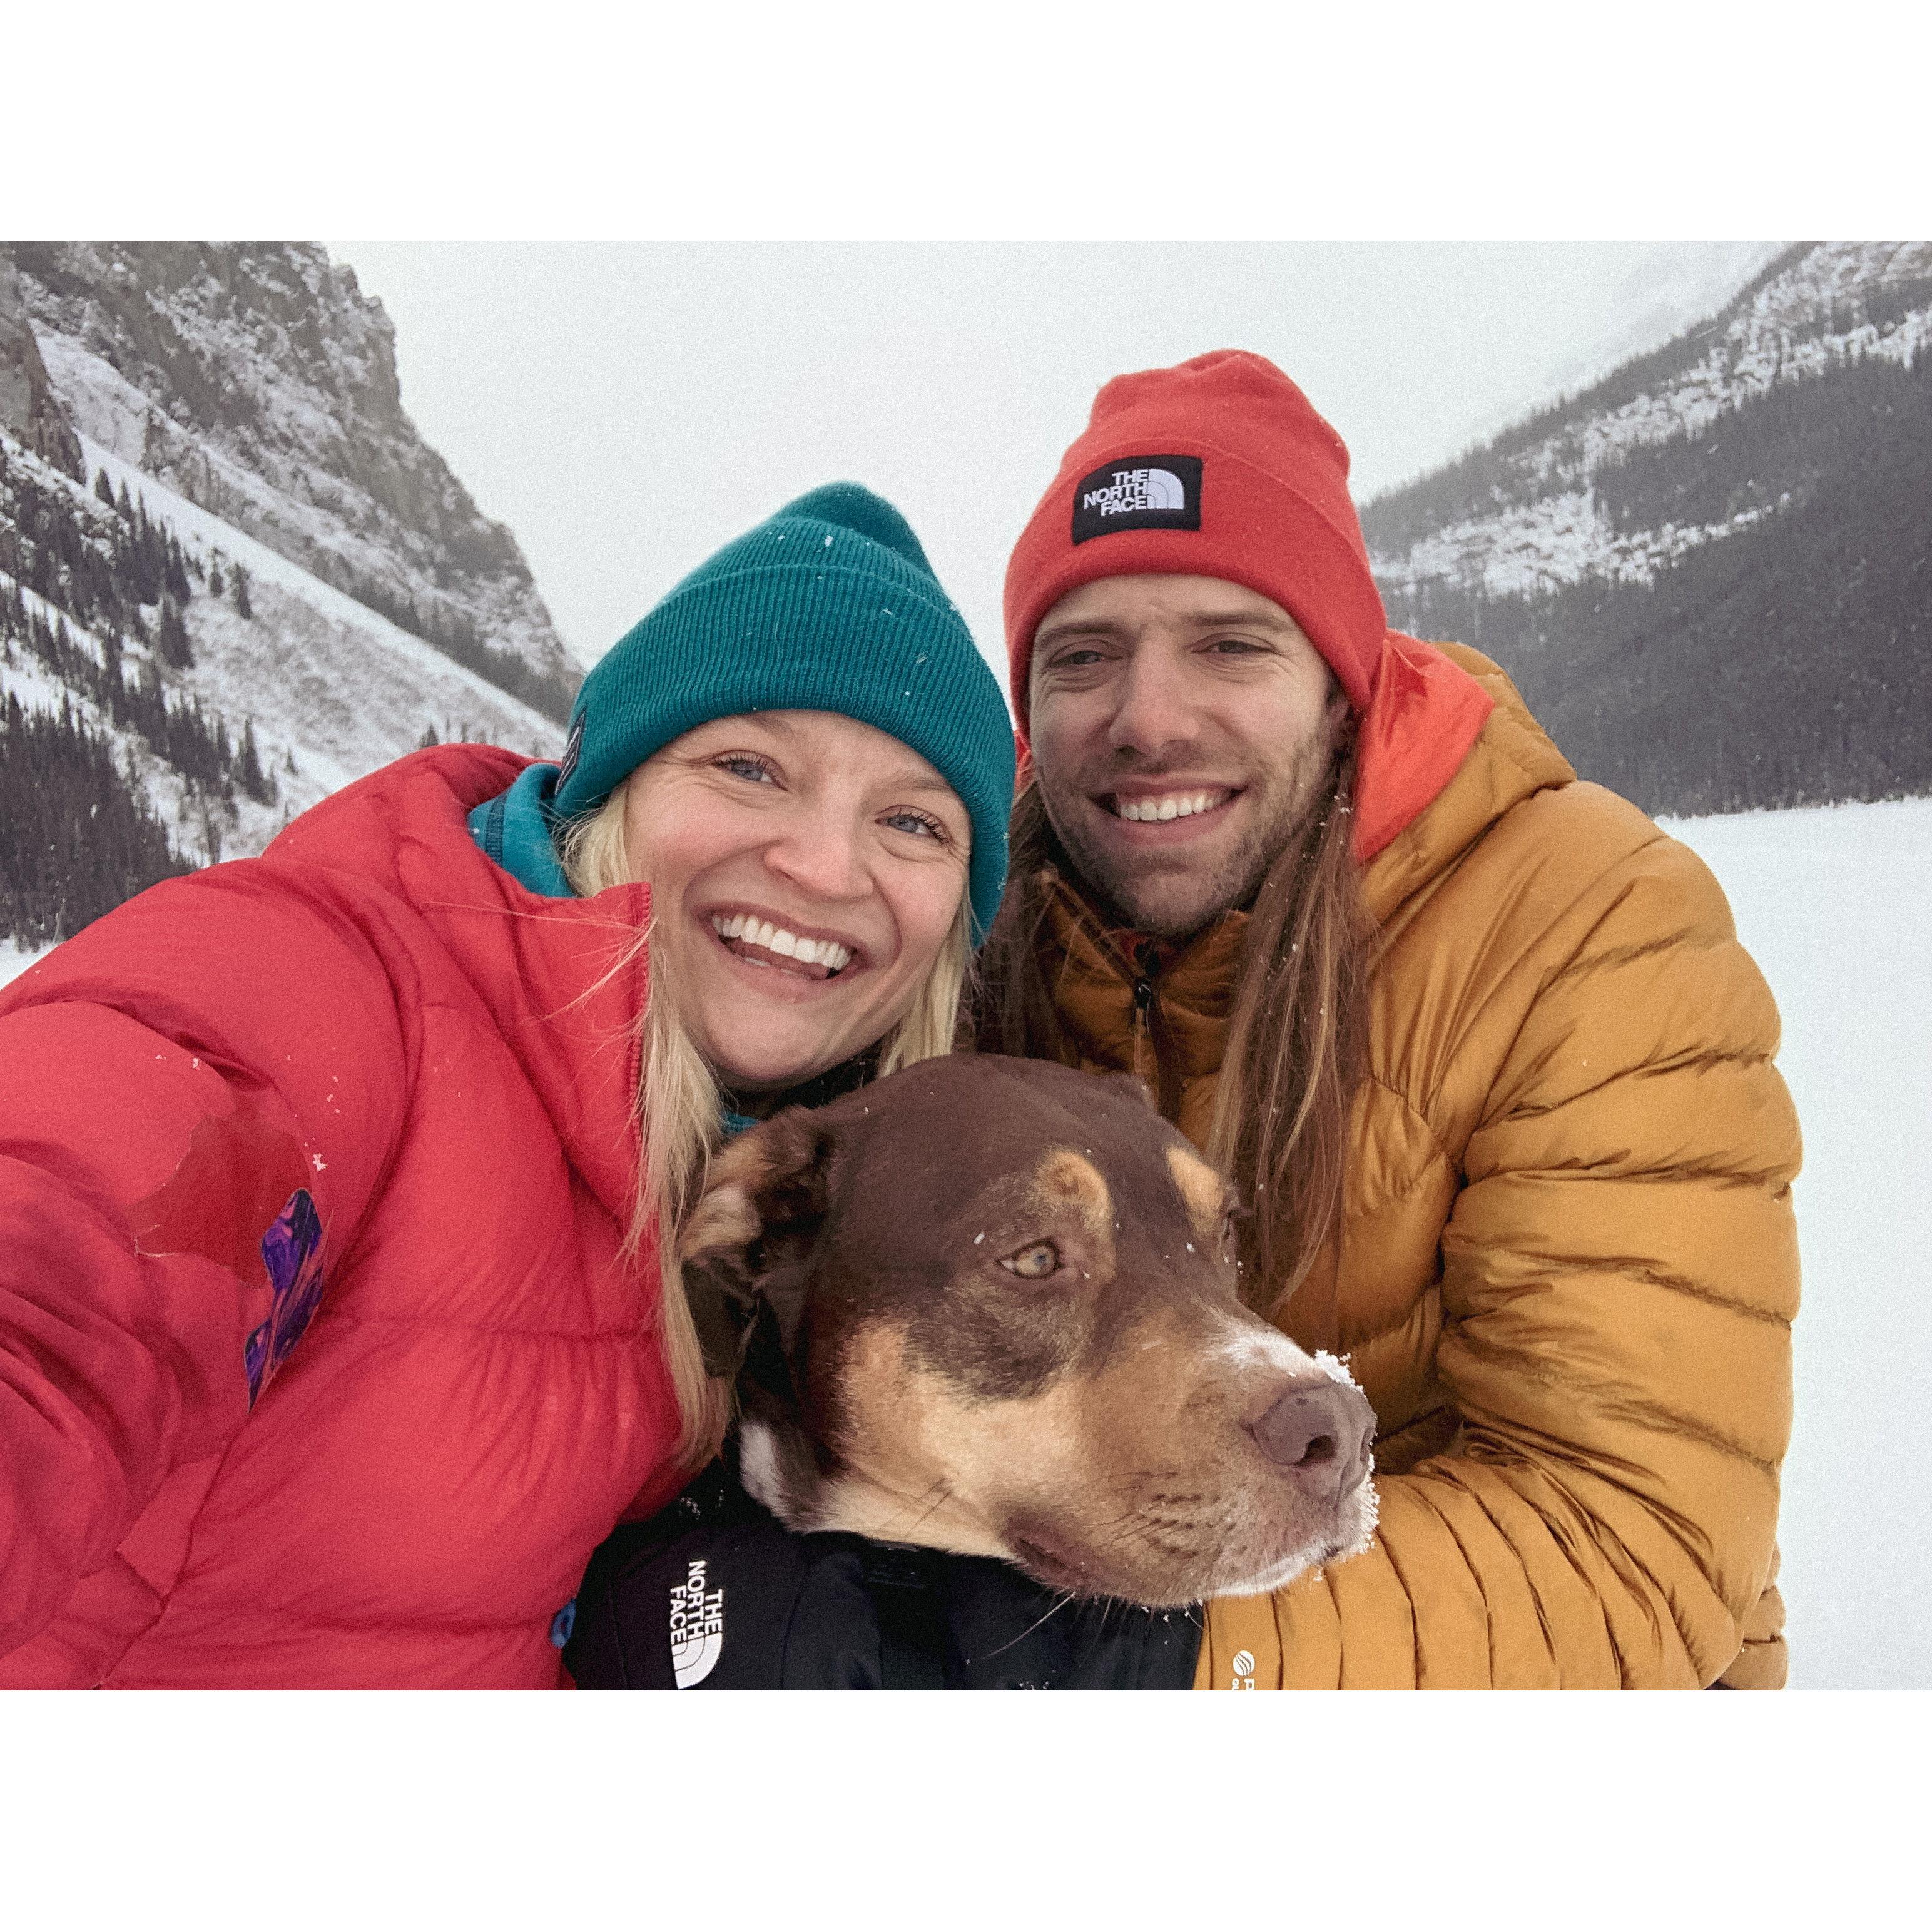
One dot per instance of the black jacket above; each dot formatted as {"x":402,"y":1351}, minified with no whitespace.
{"x":715,"y":1593}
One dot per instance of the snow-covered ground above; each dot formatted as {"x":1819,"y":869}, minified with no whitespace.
{"x":15,"y":959}
{"x":1836,"y":905}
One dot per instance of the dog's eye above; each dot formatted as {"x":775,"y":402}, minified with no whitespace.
{"x":1033,"y":1263}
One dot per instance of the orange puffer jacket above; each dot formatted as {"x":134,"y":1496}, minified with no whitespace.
{"x":1568,"y":1267}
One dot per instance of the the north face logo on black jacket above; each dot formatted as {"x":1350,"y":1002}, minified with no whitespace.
{"x":833,"y":1612}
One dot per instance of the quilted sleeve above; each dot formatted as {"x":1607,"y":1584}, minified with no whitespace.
{"x":1620,"y":1275}
{"x":197,"y":1097}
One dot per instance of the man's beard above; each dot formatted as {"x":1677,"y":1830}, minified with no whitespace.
{"x":1165,"y":894}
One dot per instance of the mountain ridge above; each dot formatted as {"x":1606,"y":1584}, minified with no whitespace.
{"x":1708,"y":572}
{"x":259,"y":383}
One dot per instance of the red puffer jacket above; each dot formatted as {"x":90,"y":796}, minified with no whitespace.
{"x":319,"y":1363}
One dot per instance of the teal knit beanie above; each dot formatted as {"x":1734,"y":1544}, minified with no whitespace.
{"x":830,"y":605}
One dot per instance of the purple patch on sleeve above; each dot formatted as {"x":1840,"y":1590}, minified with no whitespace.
{"x":291,"y":1249}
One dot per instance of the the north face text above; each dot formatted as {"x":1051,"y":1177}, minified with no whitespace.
{"x":1139,"y":493}
{"x":697,"y":1627}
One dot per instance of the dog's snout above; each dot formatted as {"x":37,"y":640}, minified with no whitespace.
{"x":1321,"y":1430}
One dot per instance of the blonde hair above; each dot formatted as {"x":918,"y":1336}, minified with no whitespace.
{"x":680,"y":1110}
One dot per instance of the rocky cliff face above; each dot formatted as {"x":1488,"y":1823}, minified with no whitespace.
{"x":259,"y":383}
{"x":29,"y":411}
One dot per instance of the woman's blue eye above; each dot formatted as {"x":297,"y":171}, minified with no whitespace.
{"x":915,"y":821}
{"x":741,"y":766}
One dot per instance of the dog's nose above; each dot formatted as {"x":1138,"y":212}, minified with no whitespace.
{"x":1321,"y":1430}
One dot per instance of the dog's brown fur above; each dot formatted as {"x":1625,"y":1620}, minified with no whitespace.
{"x":1097,"y":1425}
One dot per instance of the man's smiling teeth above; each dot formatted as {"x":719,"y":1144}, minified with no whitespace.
{"x":1175,"y":804}
{"x":826,"y":952}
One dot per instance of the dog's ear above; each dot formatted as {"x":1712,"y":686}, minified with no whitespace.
{"x":762,"y":1206}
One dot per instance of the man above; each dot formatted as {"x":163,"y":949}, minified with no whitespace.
{"x":1476,"y":1040}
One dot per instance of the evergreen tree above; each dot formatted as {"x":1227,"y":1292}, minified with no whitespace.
{"x":174,"y":646}
{"x":241,"y":582}
{"x":257,"y":783}
{"x":103,"y":488}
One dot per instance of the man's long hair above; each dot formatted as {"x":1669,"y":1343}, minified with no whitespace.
{"x":1297,"y":1048}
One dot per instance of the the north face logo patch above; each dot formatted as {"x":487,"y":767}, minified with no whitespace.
{"x":697,"y":1627}
{"x":1139,"y":493}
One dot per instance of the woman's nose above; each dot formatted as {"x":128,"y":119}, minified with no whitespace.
{"x":819,"y":858}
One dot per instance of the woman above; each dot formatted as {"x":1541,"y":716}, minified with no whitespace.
{"x":335,"y":1185}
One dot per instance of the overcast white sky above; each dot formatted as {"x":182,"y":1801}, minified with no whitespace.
{"x":626,"y":408}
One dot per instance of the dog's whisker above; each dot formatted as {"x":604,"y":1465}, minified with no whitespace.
{"x":884,"y":1533}
{"x":1060,"y":1603}
{"x":945,"y":1496}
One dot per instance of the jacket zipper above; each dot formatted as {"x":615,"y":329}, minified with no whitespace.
{"x":1149,"y":1014}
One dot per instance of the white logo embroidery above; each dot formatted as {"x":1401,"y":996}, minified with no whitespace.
{"x":697,"y":1627}
{"x":1243,"y":1663}
{"x":1137,"y":490}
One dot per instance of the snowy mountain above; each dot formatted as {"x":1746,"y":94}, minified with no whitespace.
{"x":201,"y":639}
{"x":1708,"y":571}
{"x":256,"y":381}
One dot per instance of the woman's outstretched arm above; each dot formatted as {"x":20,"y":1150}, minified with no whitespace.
{"x":197,"y":1097}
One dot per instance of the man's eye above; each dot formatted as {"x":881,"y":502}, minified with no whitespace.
{"x":1034,"y":1263}
{"x":1238,"y":646}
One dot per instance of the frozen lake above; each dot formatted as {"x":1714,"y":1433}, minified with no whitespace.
{"x":1836,"y":905}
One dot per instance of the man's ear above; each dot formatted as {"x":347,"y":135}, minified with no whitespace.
{"x":762,"y":1206}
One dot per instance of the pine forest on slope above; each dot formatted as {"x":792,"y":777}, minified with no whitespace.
{"x":1709,"y":573}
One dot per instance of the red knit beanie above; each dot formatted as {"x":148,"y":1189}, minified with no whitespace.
{"x":1218,"y":467}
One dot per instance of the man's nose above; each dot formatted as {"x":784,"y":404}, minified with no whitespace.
{"x":1153,"y":712}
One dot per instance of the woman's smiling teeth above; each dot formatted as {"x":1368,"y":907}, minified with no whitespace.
{"x":1170,"y":805}
{"x":741,"y":930}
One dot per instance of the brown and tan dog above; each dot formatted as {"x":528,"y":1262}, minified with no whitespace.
{"x":989,"y":1306}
